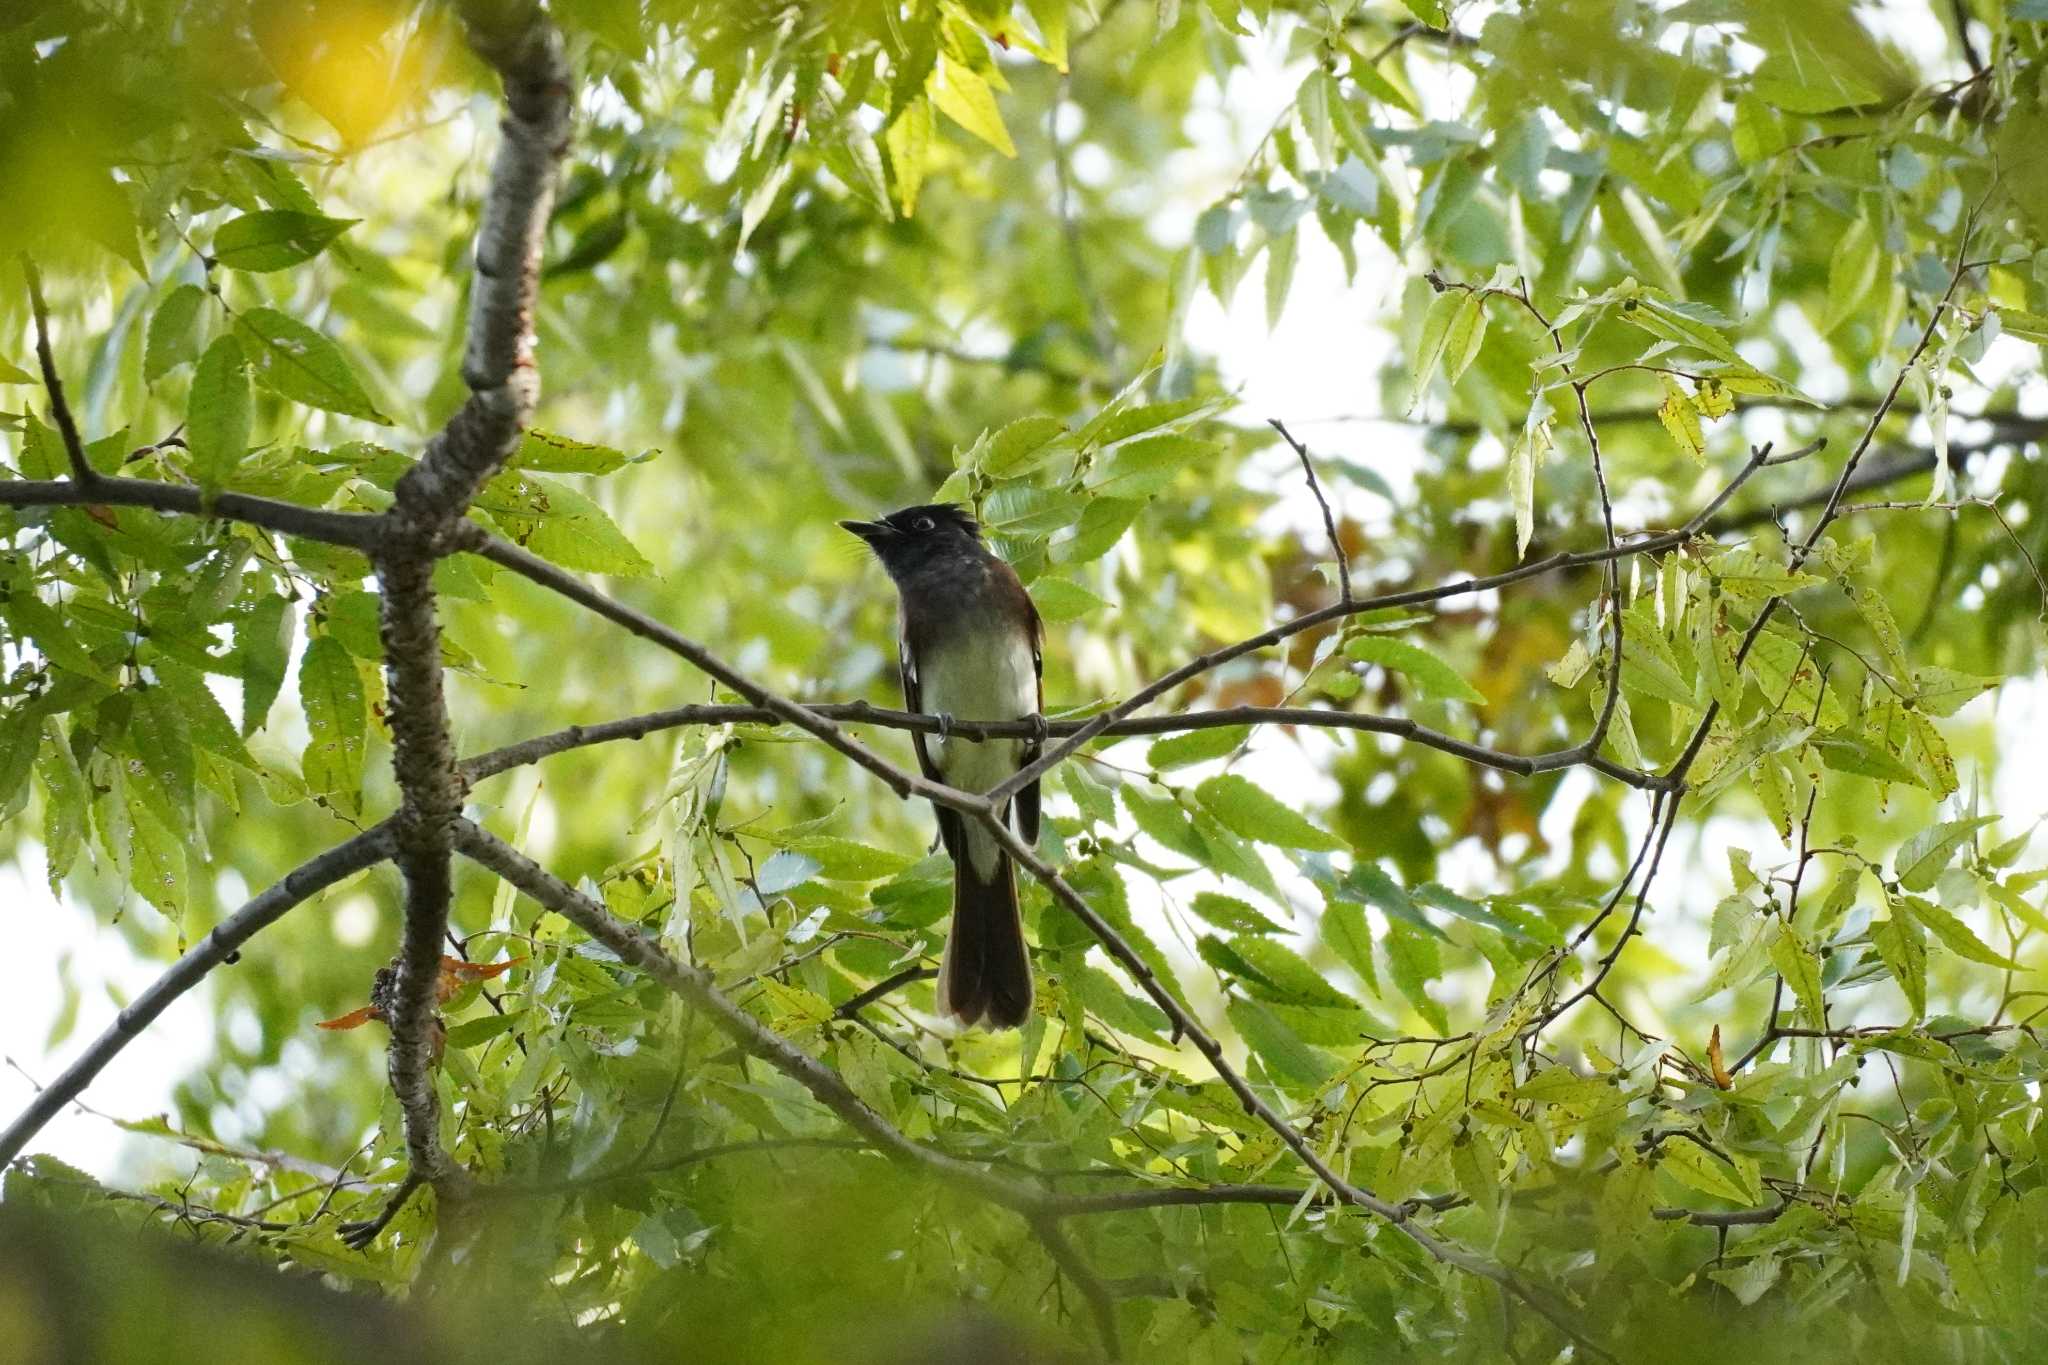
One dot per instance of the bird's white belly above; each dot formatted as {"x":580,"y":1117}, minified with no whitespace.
{"x":972,"y":677}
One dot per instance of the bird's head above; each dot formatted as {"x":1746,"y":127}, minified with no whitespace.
{"x":908,"y":539}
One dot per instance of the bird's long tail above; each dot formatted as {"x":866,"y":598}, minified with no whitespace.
{"x":986,"y":974}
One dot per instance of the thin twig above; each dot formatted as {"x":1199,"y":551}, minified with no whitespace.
{"x":1329,"y":521}
{"x":60,"y":410}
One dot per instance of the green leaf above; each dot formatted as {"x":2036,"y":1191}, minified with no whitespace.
{"x":217,"y":413}
{"x":1852,"y":273}
{"x":548,"y":453}
{"x":1436,"y":336}
{"x":263,"y":644}
{"x":1902,"y":947}
{"x":173,"y":332}
{"x":1943,"y":691}
{"x":1349,"y":935}
{"x":1413,"y":963}
{"x":1195,"y":746}
{"x":1443,"y":898}
{"x":1924,"y":856}
{"x":1693,"y":1165}
{"x":1060,"y":600}
{"x":1682,"y":420}
{"x":1160,"y":815}
{"x":1103,"y":523}
{"x":472,"y":1032}
{"x":163,"y":739}
{"x":1281,"y":974}
{"x":1955,"y":935}
{"x":273,"y":239}
{"x":1023,"y":445}
{"x":157,"y":853}
{"x":293,"y":361}
{"x":560,"y":524}
{"x":841,"y":859}
{"x":1432,"y":676}
{"x":1288,"y":1060}
{"x":331,"y":693}
{"x":909,"y":140}
{"x":963,"y":96}
{"x":1231,"y":914}
{"x":1249,"y":811}
{"x":1431,"y":12}
{"x":1798,"y":964}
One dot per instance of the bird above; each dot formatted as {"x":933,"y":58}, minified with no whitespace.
{"x":969,"y":646}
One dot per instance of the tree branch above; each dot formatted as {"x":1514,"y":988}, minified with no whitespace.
{"x":1329,"y":521}
{"x":423,"y":522}
{"x":1058,"y":753}
{"x":60,"y":411}
{"x":904,"y":784}
{"x":752,"y":1036}
{"x":308,"y":879}
{"x":358,"y":530}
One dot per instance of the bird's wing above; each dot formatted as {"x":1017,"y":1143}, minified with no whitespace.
{"x":1027,"y":799}
{"x":913,"y":699}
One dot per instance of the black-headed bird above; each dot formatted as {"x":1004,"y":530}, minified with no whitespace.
{"x":969,"y":649}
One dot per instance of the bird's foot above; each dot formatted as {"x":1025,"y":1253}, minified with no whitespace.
{"x":1040,"y":729}
{"x":945,"y":719}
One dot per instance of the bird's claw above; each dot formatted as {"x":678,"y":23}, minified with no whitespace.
{"x":945,"y":719}
{"x":1040,"y":728}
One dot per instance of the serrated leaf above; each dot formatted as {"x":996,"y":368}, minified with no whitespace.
{"x":1436,"y":335}
{"x":296,"y":362}
{"x":218,"y":412}
{"x":1288,"y":1060}
{"x":1797,"y":963}
{"x":1195,"y":746}
{"x":963,"y":96}
{"x":1159,"y":815}
{"x":331,"y":694}
{"x":1693,"y":1165}
{"x":840,"y":859}
{"x":173,"y":332}
{"x":1413,"y":962}
{"x":1681,"y":421}
{"x":560,"y":524}
{"x":1231,"y":914}
{"x":263,"y":643}
{"x":1022,"y":446}
{"x":1923,"y":857}
{"x":1249,"y":811}
{"x":1852,"y":273}
{"x":274,"y":239}
{"x":1902,"y":947}
{"x":1432,"y":676}
{"x":1061,"y":599}
{"x":1349,"y":935}
{"x":909,"y":140}
{"x":549,"y":453}
{"x":1281,"y":974}
{"x":1103,"y":523}
{"x":1955,"y":935}
{"x":1943,"y":691}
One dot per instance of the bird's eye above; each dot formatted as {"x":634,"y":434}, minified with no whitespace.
{"x":924,"y":524}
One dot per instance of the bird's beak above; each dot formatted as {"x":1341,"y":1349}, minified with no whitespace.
{"x":870,"y":531}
